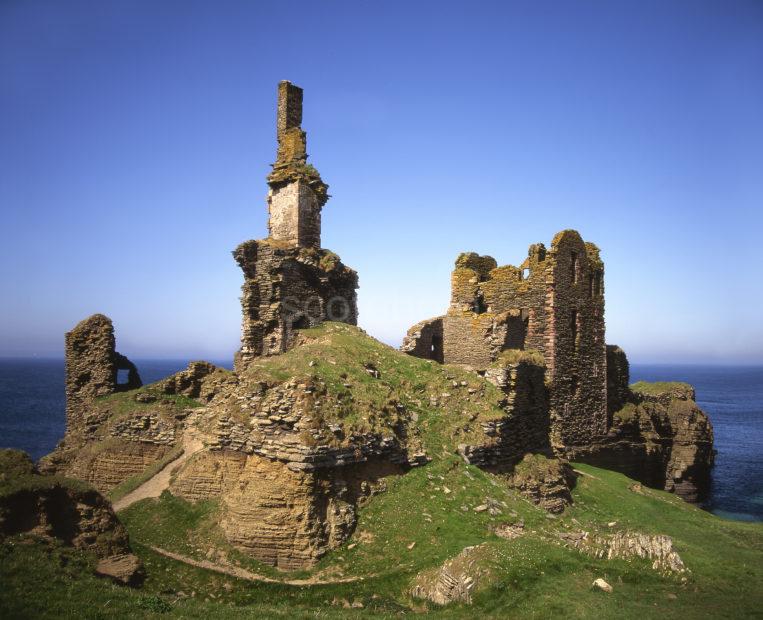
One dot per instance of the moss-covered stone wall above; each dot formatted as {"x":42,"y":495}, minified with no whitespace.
{"x":92,"y":366}
{"x":576,"y":350}
{"x":287,"y":288}
{"x":553,"y":303}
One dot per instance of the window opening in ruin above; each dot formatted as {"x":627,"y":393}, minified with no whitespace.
{"x":436,"y":352}
{"x":123,"y":376}
{"x":574,"y":268}
{"x":597,"y":278}
{"x":480,"y":307}
{"x":574,"y":328}
{"x":516,"y":331}
{"x":301,"y":323}
{"x":574,"y":385}
{"x":591,"y":286}
{"x":525,"y":273}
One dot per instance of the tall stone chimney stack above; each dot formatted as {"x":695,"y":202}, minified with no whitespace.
{"x":297,"y":192}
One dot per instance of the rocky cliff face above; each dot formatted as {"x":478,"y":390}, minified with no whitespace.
{"x":64,"y":510}
{"x":660,"y":437}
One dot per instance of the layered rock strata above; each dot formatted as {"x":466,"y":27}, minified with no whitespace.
{"x":71,"y":513}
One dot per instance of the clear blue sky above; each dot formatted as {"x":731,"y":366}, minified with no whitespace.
{"x":135,"y":137}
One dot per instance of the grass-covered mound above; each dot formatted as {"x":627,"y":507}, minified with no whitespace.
{"x":534,"y":576}
{"x":366,"y":386}
{"x":423,"y":519}
{"x":19,"y":475}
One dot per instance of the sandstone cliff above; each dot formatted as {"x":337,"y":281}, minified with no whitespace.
{"x":66,"y":511}
{"x":660,"y":437}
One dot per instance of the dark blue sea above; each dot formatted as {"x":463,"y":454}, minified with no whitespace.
{"x":32,"y":418}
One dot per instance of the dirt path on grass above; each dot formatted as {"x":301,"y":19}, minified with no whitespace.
{"x":242,"y":573}
{"x":154,"y":486}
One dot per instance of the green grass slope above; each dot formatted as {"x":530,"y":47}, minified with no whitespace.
{"x":422,"y":519}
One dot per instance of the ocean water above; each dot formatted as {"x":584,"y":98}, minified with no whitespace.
{"x":32,"y":418}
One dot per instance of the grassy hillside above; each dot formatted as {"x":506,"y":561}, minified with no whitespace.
{"x":534,"y":576}
{"x":422,"y":519}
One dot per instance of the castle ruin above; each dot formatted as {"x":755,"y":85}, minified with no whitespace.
{"x":289,"y":281}
{"x":92,"y":367}
{"x":551,"y":305}
{"x":290,"y":456}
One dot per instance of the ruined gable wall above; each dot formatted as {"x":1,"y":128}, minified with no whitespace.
{"x":425,"y":340}
{"x":92,"y":363}
{"x":576,"y":351}
{"x":495,"y":308}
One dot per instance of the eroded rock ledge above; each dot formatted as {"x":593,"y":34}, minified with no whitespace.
{"x":66,"y":511}
{"x":658,"y":435}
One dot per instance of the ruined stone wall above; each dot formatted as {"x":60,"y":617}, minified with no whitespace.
{"x":471,"y":334}
{"x":425,"y":340}
{"x":525,"y":428}
{"x":618,"y":379}
{"x":553,"y":303}
{"x":495,"y":308}
{"x":288,"y":288}
{"x":576,"y":351}
{"x":92,"y":365}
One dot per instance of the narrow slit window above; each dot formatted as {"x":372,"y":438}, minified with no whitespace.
{"x":480,"y":307}
{"x":574,"y":328}
{"x":574,"y":268}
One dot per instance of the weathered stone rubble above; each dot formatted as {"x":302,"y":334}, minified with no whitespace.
{"x":624,"y":544}
{"x":456,"y":579}
{"x":547,"y":482}
{"x":55,"y":509}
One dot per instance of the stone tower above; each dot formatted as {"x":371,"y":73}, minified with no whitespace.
{"x":552,"y":304}
{"x":297,"y":192}
{"x":291,"y":283}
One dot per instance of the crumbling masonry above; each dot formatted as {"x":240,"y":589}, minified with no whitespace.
{"x":287,"y":455}
{"x":552,"y":304}
{"x":289,"y":281}
{"x":92,"y":367}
